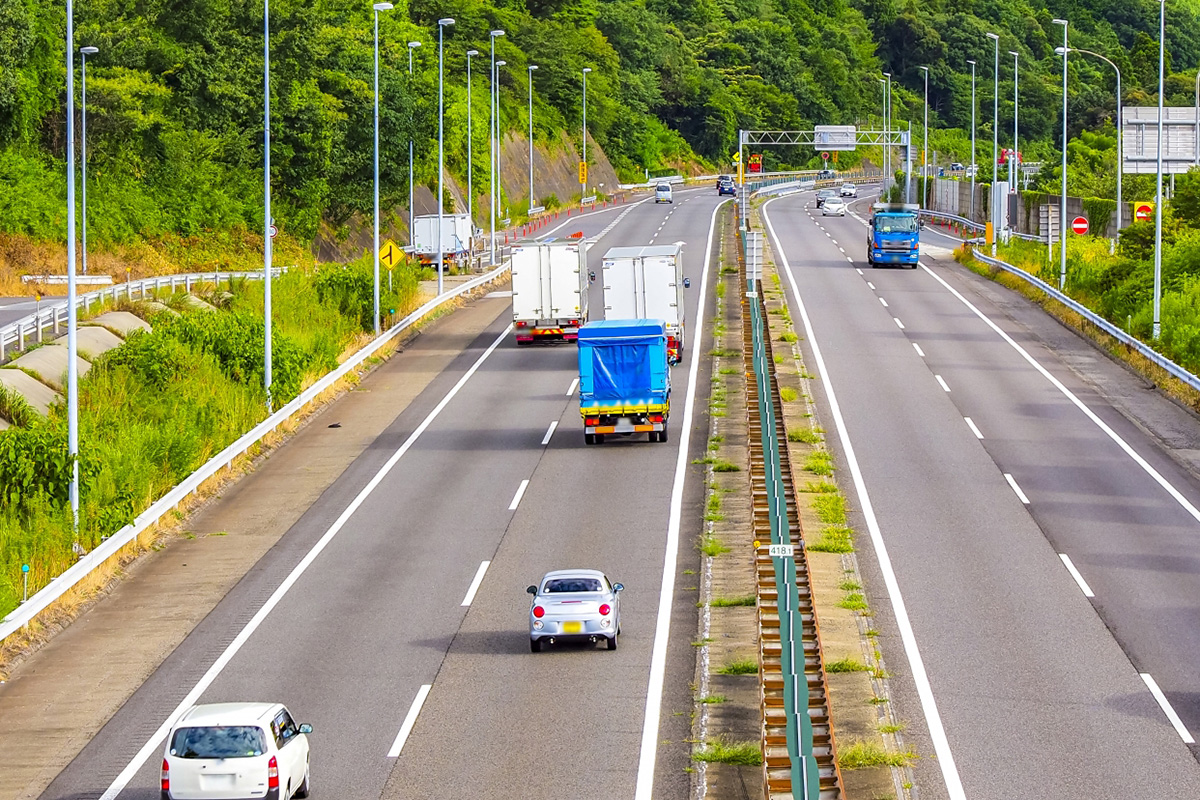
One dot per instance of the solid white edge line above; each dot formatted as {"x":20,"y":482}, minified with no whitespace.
{"x":1017,"y":489}
{"x":127,"y":774}
{"x":1183,"y":502}
{"x":899,"y":324}
{"x":571,"y":390}
{"x":917,"y":347}
{"x":549,"y":433}
{"x":974,"y":429}
{"x":662,"y":628}
{"x":937,"y":731}
{"x":1083,"y":585}
{"x":474,"y":587}
{"x":1166,"y":707}
{"x":410,"y":720}
{"x":943,"y":383}
{"x":516,"y":501}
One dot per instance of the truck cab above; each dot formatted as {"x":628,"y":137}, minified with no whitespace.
{"x":894,"y":235}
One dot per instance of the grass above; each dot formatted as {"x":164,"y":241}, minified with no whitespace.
{"x":850,"y":586}
{"x":724,"y":353}
{"x":724,"y":752}
{"x":721,"y":465}
{"x":864,"y":755}
{"x":830,"y":508}
{"x":805,"y":435}
{"x":819,"y":462}
{"x":712,"y":547}
{"x":788,"y":337}
{"x":819,"y":487}
{"x":834,"y":539}
{"x":854,"y":601}
{"x":721,"y":291}
{"x":787,"y":394}
{"x":711,"y":699}
{"x":847,"y":664}
{"x":732,"y":602}
{"x":777,"y":358}
{"x":741,"y":666}
{"x":892,"y":728}
{"x":728,"y":371}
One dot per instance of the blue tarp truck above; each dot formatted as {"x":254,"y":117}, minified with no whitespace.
{"x":894,"y":235}
{"x":624,"y":379}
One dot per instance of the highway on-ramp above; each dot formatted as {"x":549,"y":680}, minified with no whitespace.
{"x":400,"y":594}
{"x":992,"y":486}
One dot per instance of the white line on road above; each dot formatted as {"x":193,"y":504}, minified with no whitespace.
{"x":549,"y":433}
{"x":516,"y":501}
{"x":1087,"y":590}
{"x":1013,"y":483}
{"x":870,"y":285}
{"x":409,"y":721}
{"x":844,"y":252}
{"x":942,"y":381}
{"x":860,"y":272}
{"x":149,"y":748}
{"x":898,"y":323}
{"x":920,"y":352}
{"x":885,"y":305}
{"x":933,"y":718}
{"x":851,"y":260}
{"x":474,"y":587}
{"x":666,"y":597}
{"x":971,"y":425}
{"x":1166,"y":707}
{"x":574,"y":383}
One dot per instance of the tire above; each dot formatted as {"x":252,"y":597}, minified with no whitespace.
{"x":612,"y":642}
{"x":535,"y":645}
{"x":304,"y":789}
{"x":589,"y":438}
{"x":653,"y":436}
{"x":599,"y":438}
{"x":662,"y":435}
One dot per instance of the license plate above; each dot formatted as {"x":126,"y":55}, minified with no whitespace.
{"x":572,"y":627}
{"x":215,"y":781}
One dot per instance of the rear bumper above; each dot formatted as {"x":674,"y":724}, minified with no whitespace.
{"x":561,"y":332}
{"x":272,"y":794}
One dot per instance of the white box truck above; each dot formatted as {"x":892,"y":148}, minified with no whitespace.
{"x":457,"y":233}
{"x":648,"y":283}
{"x":550,"y":290}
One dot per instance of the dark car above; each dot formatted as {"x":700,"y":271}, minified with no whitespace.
{"x":726,"y":186}
{"x":723,"y":178}
{"x":824,"y":194}
{"x":826,"y":175}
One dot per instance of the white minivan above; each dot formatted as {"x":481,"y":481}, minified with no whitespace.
{"x":662,"y":193}
{"x":222,"y":751}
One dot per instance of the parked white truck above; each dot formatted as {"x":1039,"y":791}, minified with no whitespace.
{"x":457,"y":237}
{"x":648,"y":283}
{"x":550,"y":290}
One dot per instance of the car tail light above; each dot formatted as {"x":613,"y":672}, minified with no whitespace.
{"x":539,"y":612}
{"x":605,"y":609}
{"x":656,"y":417}
{"x":521,"y":324}
{"x":672,"y":342}
{"x":272,"y":773}
{"x":166,"y":775}
{"x":574,"y":323}
{"x":592,"y":421}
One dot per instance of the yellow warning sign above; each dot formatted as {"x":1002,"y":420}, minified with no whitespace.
{"x":583,"y":172}
{"x":389,"y":254}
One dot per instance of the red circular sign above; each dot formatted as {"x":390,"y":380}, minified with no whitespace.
{"x":825,"y":156}
{"x":1079,"y":225}
{"x":1143,"y":212}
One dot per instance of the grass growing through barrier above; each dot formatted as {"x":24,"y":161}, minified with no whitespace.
{"x":847,"y":664}
{"x":712,"y":699}
{"x":854,"y":601}
{"x":805,"y":435}
{"x":834,"y":539}
{"x":830,"y":508}
{"x":725,"y":752}
{"x":712,"y":547}
{"x":741,"y":666}
{"x":732,"y":602}
{"x":864,"y":755}
{"x":787,"y":394}
{"x":819,"y":487}
{"x":819,"y":462}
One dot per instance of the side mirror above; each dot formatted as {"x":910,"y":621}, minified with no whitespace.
{"x":687,"y":283}
{"x":921,"y":223}
{"x":306,"y":728}
{"x":617,"y":587}
{"x":531,"y":589}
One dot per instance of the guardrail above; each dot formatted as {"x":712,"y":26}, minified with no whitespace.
{"x":54,"y":316}
{"x":64,"y":582}
{"x":979,"y":226}
{"x":1100,"y":322}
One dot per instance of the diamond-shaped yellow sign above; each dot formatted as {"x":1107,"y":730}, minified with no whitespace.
{"x":389,"y":254}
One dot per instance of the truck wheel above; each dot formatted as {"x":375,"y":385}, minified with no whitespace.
{"x":912,"y":266}
{"x":652,"y":436}
{"x":599,"y":438}
{"x":662,"y":435}
{"x":589,"y":438}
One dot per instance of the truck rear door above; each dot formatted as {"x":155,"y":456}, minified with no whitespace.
{"x":561,"y":281}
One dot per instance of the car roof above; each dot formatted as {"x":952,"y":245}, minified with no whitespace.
{"x":228,"y":714}
{"x":572,"y":573}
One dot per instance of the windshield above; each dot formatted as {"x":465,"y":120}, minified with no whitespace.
{"x":662,"y":187}
{"x":572,"y":585}
{"x":233,"y":741}
{"x":896,"y":224}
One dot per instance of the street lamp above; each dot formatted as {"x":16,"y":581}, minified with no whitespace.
{"x":884,"y":165}
{"x":268,"y":220}
{"x":887,"y":123}
{"x":925,"y":144}
{"x":411,"y":243}
{"x":470,"y":152}
{"x":499,"y":139}
{"x":442,"y":23}
{"x":375,"y":295}
{"x":492,"y":149}
{"x":1062,"y":213}
{"x":1162,"y":24}
{"x":974,"y":169}
{"x":583,"y":172}
{"x":1120,"y":149}
{"x":84,"y":53}
{"x":72,"y":371}
{"x":995,"y":202}
{"x":1014,"y":173}
{"x":532,"y":67}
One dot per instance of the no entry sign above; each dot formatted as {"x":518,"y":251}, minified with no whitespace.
{"x":1143,"y":211}
{"x":1079,"y":225}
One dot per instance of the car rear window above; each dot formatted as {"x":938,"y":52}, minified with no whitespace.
{"x":229,"y":741}
{"x":573,"y":585}
{"x":662,"y":187}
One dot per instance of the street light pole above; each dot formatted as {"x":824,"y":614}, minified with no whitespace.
{"x":84,"y":52}
{"x":499,"y":141}
{"x":583,"y":184}
{"x":442,"y":23}
{"x":411,"y":243}
{"x":1158,"y":214}
{"x":925,"y":144}
{"x":1062,"y":213}
{"x":375,"y":291}
{"x":1014,"y":172}
{"x":995,"y":201}
{"x":72,"y":347}
{"x":532,"y":67}
{"x":974,"y":169}
{"x":884,"y":165}
{"x":470,"y":153}
{"x":267,"y":220}
{"x":492,"y":193}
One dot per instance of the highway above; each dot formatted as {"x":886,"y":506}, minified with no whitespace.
{"x":14,"y":308}
{"x":400,"y":594}
{"x":1030,"y":552}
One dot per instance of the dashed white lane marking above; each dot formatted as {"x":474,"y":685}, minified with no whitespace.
{"x":474,"y":587}
{"x":898,"y":322}
{"x":1166,"y":707}
{"x":549,"y":433}
{"x":860,"y":272}
{"x":974,"y":429}
{"x":516,"y":501}
{"x":943,"y":383}
{"x":917,"y":347}
{"x":870,"y":285}
{"x":409,"y":721}
{"x":844,"y":252}
{"x":1013,"y":483}
{"x":1087,"y":590}
{"x":885,"y":305}
{"x":574,"y":383}
{"x":851,"y":260}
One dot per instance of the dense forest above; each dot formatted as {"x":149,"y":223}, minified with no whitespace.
{"x":175,"y":92}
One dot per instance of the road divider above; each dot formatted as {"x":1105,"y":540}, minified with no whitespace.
{"x":1174,"y":719}
{"x":1087,"y":590}
{"x":516,"y":501}
{"x":1012,"y":482}
{"x":942,"y":382}
{"x":571,"y":389}
{"x":974,"y":428}
{"x":410,"y":720}
{"x":549,"y":433}
{"x":474,"y":587}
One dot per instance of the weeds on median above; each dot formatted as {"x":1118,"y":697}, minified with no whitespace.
{"x":725,"y":752}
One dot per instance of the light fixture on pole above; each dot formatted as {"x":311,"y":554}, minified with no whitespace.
{"x":442,"y":23}
{"x":492,"y":127}
{"x":375,"y":291}
{"x":532,"y":67}
{"x":925,"y":144}
{"x":470,"y":152}
{"x":583,"y":172}
{"x":84,"y":52}
{"x":499,"y":184}
{"x":411,"y":46}
{"x":887,"y":150}
{"x":1014,"y":170}
{"x":1120,"y":150}
{"x":268,"y":220}
{"x":974,"y":169}
{"x":1062,"y":209}
{"x":1162,"y":26}
{"x":72,"y":346}
{"x":995,"y":203}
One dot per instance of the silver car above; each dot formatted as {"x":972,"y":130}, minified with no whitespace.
{"x":833,"y":207}
{"x":579,"y":605}
{"x":849,"y":190}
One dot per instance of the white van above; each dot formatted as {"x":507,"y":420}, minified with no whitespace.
{"x":662,"y":193}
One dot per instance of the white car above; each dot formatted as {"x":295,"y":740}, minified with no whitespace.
{"x":849,"y":190}
{"x":662,"y":193}
{"x":236,"y":750}
{"x":833,"y":207}
{"x":579,"y":605}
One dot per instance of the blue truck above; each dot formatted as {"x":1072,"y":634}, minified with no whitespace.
{"x":894,"y":235}
{"x":624,"y":379}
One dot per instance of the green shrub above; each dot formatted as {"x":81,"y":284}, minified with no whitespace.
{"x":830,"y":508}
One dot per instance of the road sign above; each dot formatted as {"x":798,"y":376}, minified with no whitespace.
{"x":737,"y":157}
{"x":834,"y":137}
{"x":756,"y":162}
{"x":389,"y":254}
{"x":274,"y":231}
{"x":1143,"y":211}
{"x":1139,"y":139}
{"x":583,"y":172}
{"x":1079,"y":225}
{"x":782,"y":551}
{"x":825,"y":156}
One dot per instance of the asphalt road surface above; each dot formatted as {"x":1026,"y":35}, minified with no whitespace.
{"x":380,"y":590}
{"x":995,"y":492}
{"x":14,"y":308}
